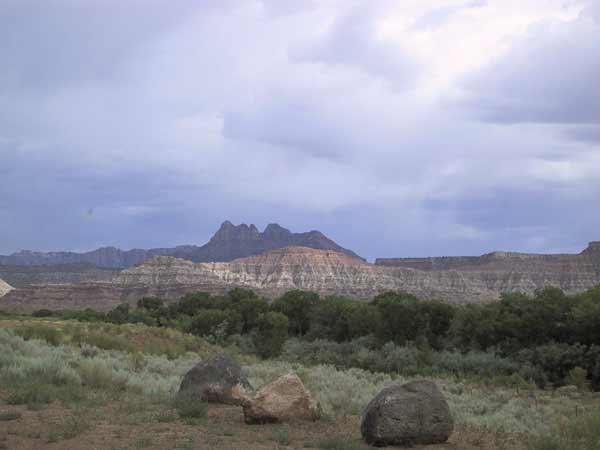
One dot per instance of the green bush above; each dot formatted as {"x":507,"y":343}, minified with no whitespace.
{"x":190,"y":405}
{"x":297,"y":306}
{"x":578,"y":377}
{"x":270,"y":334}
{"x":42,"y":332}
{"x":106,"y":341}
{"x":42,"y":313}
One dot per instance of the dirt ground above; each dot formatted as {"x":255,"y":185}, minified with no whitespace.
{"x":111,"y":427}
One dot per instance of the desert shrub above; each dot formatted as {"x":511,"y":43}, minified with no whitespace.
{"x":87,"y":315}
{"x":69,"y":427}
{"x":190,"y":405}
{"x":119,"y":314}
{"x":578,"y":433}
{"x":555,"y":360}
{"x":216,"y":323}
{"x":578,"y":377}
{"x":42,"y":332}
{"x":106,"y":341}
{"x":95,"y":374}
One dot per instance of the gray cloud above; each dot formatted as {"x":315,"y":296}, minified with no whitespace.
{"x":351,"y":41}
{"x":549,"y":76}
{"x":164,"y":120}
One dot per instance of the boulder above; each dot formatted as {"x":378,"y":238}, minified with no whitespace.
{"x":217,"y":380}
{"x":282,"y":400}
{"x":415,"y":413}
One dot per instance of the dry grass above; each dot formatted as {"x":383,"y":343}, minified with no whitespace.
{"x":78,"y":393}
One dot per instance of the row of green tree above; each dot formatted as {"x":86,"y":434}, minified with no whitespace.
{"x":550,"y":330}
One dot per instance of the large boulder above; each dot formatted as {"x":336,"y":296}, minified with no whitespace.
{"x":217,"y":380}
{"x":411,"y":414}
{"x":282,"y":400}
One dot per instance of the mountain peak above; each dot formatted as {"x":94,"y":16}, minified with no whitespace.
{"x":593,"y":248}
{"x":231,"y":232}
{"x":275,"y":231}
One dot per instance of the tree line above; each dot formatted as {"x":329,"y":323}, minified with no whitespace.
{"x":549,"y":333}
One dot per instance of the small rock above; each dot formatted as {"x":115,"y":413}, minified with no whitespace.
{"x":282,"y":400}
{"x":218,"y":380}
{"x":409,"y":414}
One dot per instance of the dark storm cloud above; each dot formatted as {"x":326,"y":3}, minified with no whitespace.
{"x":147,"y":123}
{"x":549,"y":76}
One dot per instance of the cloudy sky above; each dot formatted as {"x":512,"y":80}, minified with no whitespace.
{"x":398,"y":128}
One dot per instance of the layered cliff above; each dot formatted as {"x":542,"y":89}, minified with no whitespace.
{"x":228,"y":243}
{"x":514,"y":272}
{"x":270,"y":274}
{"x":325,"y":271}
{"x":23,"y":276}
{"x":5,"y":288}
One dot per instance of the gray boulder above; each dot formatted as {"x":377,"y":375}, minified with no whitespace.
{"x":415,"y":413}
{"x":217,"y":380}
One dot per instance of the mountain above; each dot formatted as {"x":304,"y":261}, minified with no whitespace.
{"x":231,"y":242}
{"x":228,"y":243}
{"x":453,"y":280}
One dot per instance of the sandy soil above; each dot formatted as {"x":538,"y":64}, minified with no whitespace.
{"x":113,"y":427}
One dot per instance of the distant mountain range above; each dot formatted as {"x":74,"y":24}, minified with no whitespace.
{"x":228,"y":243}
{"x":453,"y":280}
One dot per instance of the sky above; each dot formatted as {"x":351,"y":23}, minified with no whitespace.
{"x":398,"y":128}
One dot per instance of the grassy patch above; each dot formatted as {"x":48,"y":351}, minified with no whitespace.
{"x":578,"y":433}
{"x":41,"y":332}
{"x":70,"y":427}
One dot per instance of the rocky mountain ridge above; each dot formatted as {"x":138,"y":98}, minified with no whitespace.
{"x":495,"y":261}
{"x":324,"y":271}
{"x":228,"y":243}
{"x":23,"y":276}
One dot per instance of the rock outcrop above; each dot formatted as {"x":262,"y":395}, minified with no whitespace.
{"x":23,"y":276}
{"x":324,"y":271}
{"x":217,"y":380}
{"x":228,"y":243}
{"x":415,"y":413}
{"x":5,"y":288}
{"x":514,"y":272}
{"x":282,"y":400}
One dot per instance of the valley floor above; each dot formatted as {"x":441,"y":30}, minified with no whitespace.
{"x":109,"y":387}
